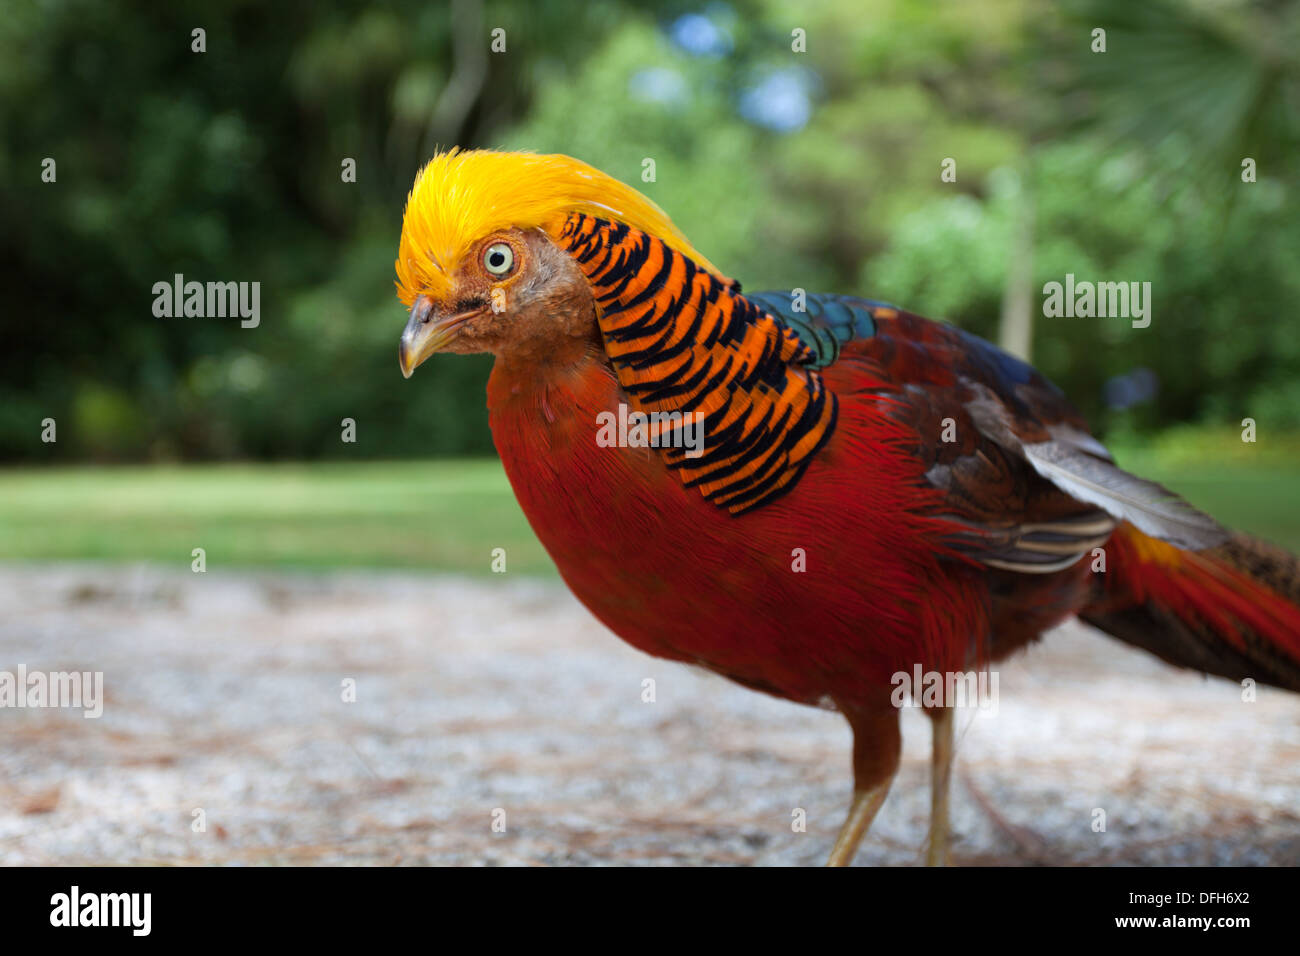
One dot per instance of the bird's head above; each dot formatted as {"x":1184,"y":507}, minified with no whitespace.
{"x":478,"y":265}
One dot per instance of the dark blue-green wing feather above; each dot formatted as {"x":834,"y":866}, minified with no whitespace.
{"x":825,"y":322}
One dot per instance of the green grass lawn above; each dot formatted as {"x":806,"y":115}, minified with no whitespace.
{"x":435,"y":515}
{"x":431,"y":515}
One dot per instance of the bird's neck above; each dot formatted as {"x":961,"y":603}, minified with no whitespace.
{"x":556,"y":396}
{"x":681,"y":340}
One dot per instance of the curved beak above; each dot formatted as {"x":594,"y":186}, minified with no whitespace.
{"x":426,"y":332}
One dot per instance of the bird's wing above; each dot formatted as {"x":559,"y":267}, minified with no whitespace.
{"x":1026,"y":486}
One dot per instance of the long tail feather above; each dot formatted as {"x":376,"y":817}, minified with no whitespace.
{"x":1232,"y":610}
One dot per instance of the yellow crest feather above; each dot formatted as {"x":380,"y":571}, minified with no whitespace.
{"x":460,"y":198}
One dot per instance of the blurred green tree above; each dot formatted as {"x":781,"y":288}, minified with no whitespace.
{"x":818,"y":169}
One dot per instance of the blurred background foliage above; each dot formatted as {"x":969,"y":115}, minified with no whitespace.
{"x":819,"y":170}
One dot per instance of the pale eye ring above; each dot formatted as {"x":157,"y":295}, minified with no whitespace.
{"x":499,"y":258}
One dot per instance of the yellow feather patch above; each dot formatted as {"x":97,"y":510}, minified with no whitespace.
{"x":460,"y":198}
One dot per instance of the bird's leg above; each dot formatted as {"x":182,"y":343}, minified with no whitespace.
{"x":876,"y":745}
{"x":941,"y":756}
{"x":861,"y":813}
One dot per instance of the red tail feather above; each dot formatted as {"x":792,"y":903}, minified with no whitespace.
{"x":1232,"y":610}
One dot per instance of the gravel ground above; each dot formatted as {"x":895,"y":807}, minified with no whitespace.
{"x":476,"y":697}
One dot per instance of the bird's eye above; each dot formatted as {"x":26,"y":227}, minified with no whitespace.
{"x":499,"y":259}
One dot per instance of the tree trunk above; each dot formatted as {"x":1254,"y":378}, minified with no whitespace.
{"x":1016,"y":329}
